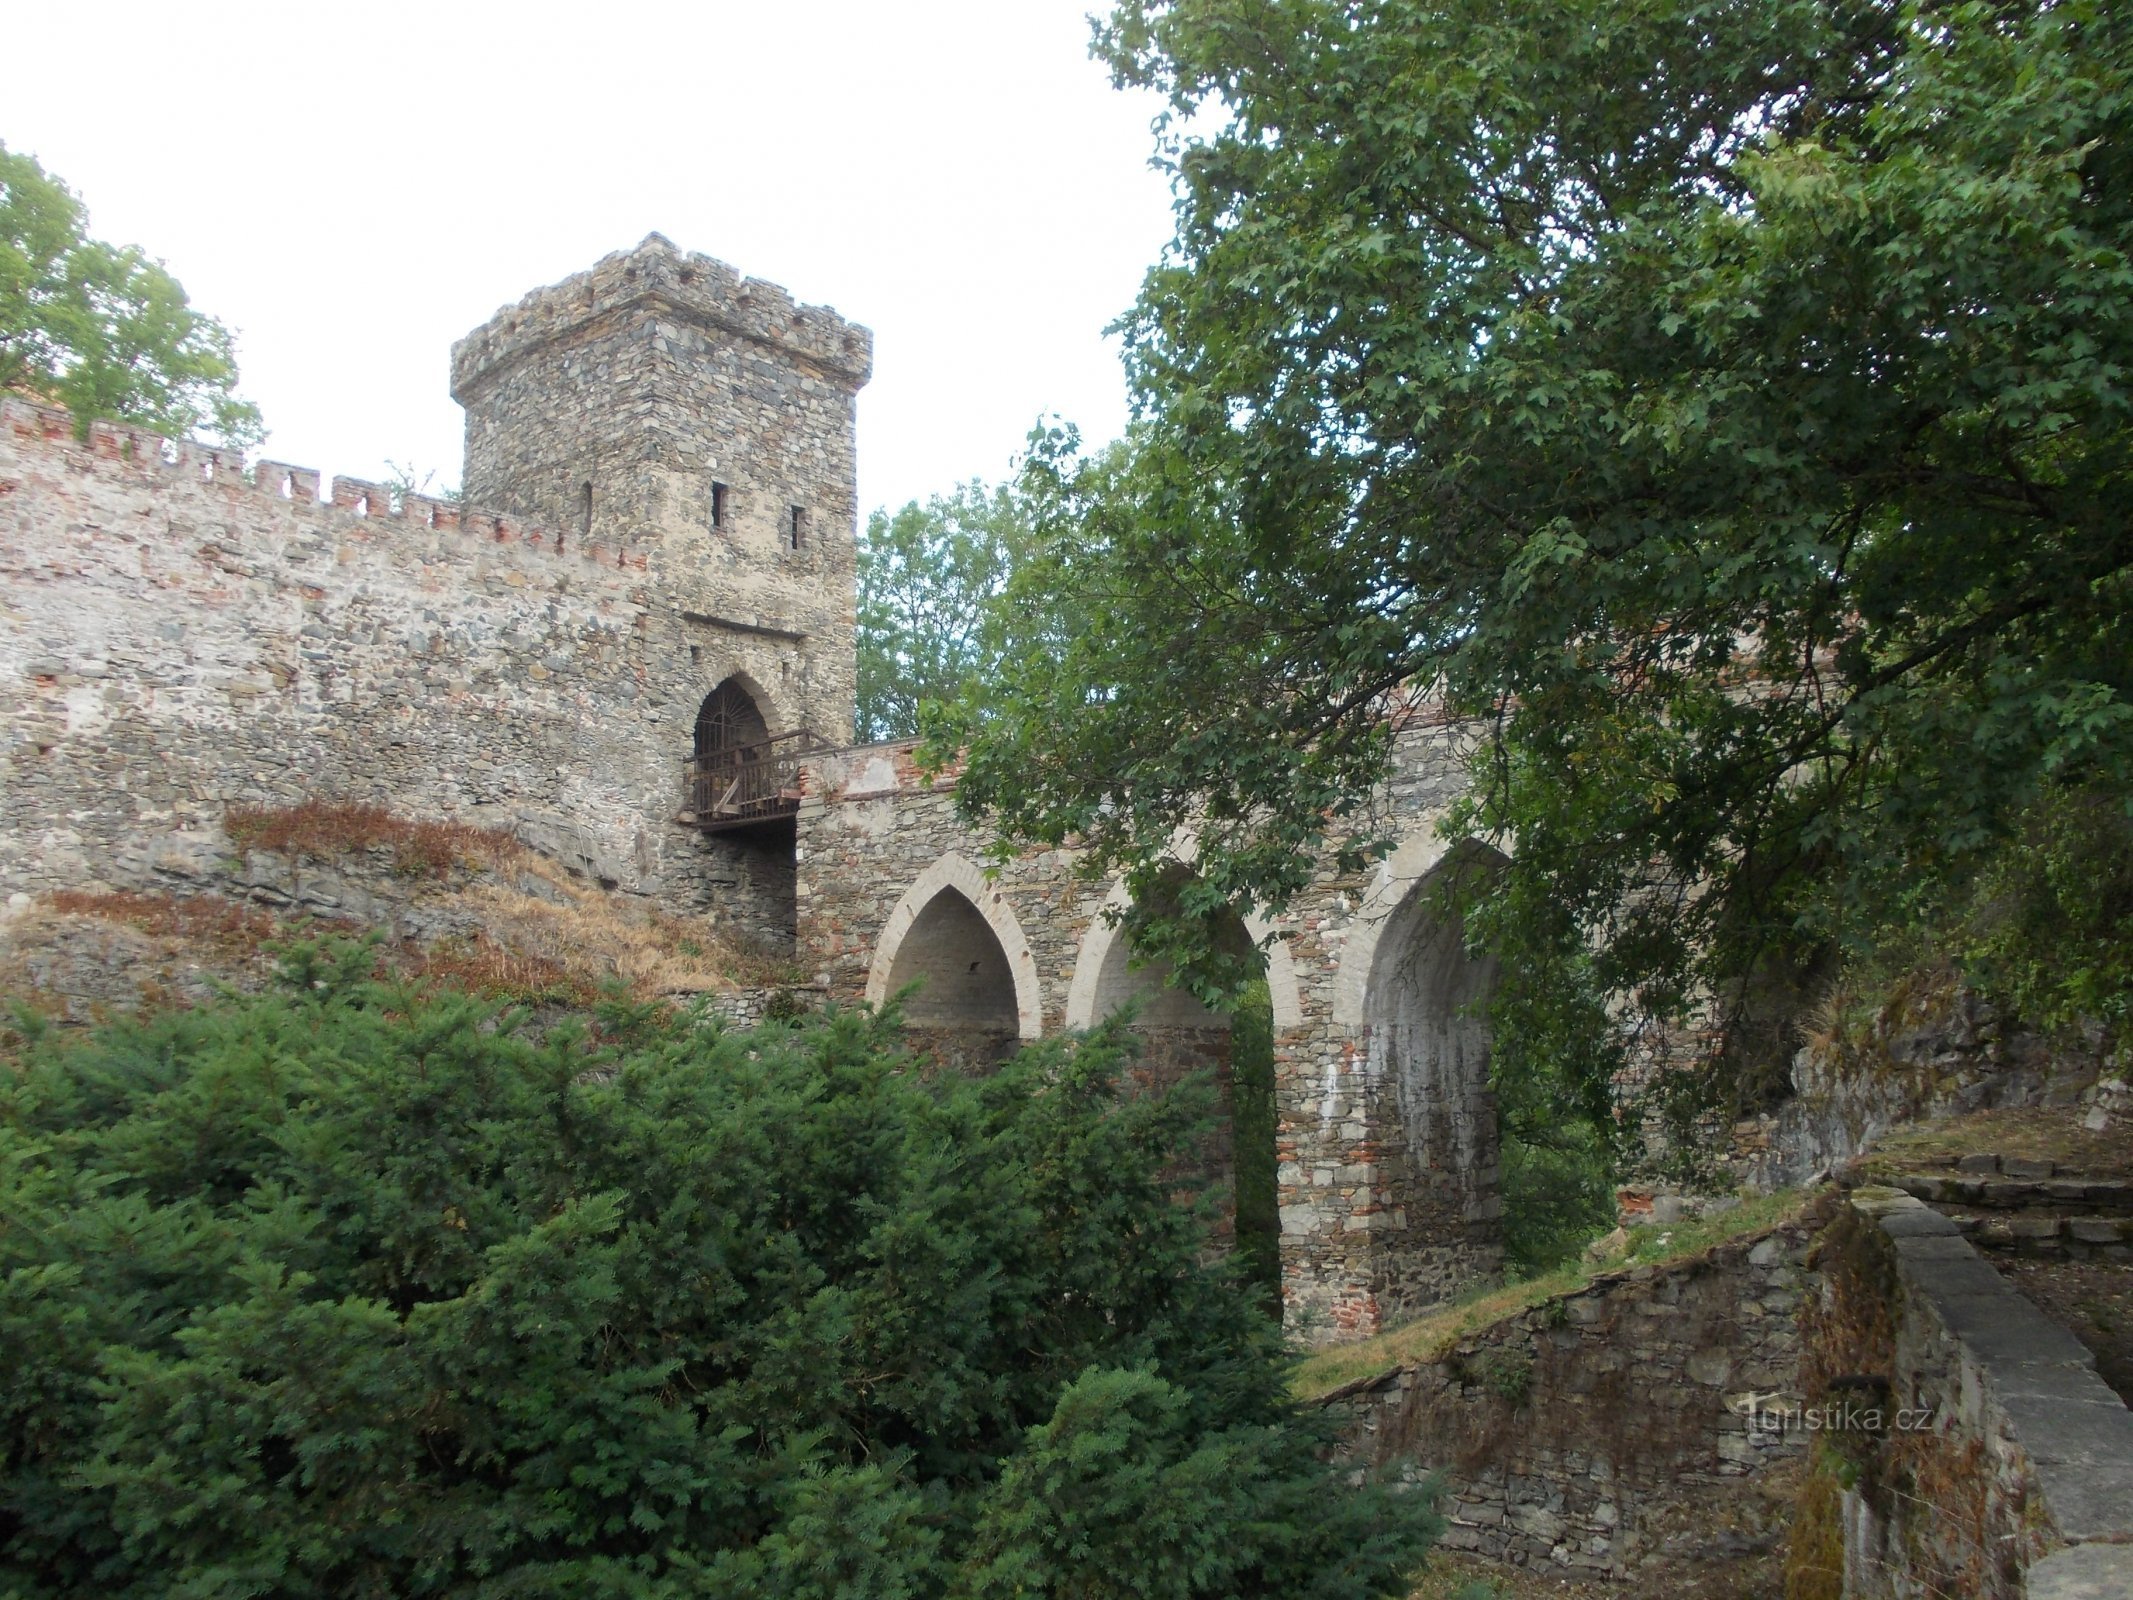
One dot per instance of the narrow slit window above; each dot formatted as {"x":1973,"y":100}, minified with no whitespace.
{"x":799,"y":528}
{"x":718,"y":505}
{"x":585,"y":510}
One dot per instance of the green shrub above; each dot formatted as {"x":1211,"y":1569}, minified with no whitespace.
{"x":785,"y":1005}
{"x":1557,"y":1197}
{"x":361,"y":1290}
{"x":2050,"y":928}
{"x":1507,"y":1374}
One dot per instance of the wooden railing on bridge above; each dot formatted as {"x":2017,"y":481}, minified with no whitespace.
{"x":747,"y":784}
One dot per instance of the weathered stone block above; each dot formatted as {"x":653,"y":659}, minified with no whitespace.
{"x":2085,"y":1572}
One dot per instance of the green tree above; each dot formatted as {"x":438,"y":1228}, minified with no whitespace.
{"x":358,"y":1290}
{"x":1726,"y":406}
{"x":105,"y":331}
{"x":405,"y":478}
{"x":926,"y":576}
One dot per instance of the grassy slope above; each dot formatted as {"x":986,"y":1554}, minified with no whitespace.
{"x":1430,"y":1336}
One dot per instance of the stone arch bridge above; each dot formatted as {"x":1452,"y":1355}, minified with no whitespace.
{"x":181,"y":636}
{"x":1386,"y":1146}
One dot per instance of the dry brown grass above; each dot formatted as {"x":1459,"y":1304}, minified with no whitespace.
{"x":81,"y":956}
{"x":222,"y":927}
{"x":481,"y":966}
{"x":325,"y":830}
{"x":596,"y":938}
{"x":532,"y":931}
{"x":1814,"y":1557}
{"x":751,"y":968}
{"x":1831,"y":1024}
{"x":558,"y":939}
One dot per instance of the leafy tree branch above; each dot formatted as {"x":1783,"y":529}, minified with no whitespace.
{"x":103,"y":330}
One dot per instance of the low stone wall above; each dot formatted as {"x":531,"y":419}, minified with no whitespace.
{"x":1568,"y":1433}
{"x":1979,"y":1453}
{"x":778,"y":1002}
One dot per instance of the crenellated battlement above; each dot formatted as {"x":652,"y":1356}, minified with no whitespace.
{"x":117,"y":445}
{"x":690,"y":287}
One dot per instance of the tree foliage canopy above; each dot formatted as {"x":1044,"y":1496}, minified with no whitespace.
{"x":1725,"y":405}
{"x":362,"y":1291}
{"x":105,"y":331}
{"x":926,"y":577}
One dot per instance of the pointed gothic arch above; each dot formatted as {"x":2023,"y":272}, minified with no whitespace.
{"x":1421,"y":851}
{"x":955,"y":930}
{"x":1094,"y":991}
{"x":1429,"y":1035}
{"x":1414,"y":998}
{"x":1181,"y":1034}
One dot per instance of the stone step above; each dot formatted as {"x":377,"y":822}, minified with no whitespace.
{"x":2099,"y":1196}
{"x":2108,"y":1238}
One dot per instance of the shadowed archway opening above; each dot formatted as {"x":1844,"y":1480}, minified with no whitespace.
{"x":741,"y":799}
{"x":1427,"y":1013}
{"x":729,"y":719}
{"x":1180,"y":1035}
{"x":963,"y":1012}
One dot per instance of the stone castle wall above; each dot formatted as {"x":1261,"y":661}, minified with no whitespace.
{"x":182,"y":636}
{"x":179,"y":639}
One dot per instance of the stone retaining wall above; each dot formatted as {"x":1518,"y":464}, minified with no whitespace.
{"x":1983,"y":1454}
{"x":1568,"y":1433}
{"x":752,"y":1007}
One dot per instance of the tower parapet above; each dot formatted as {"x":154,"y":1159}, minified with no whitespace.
{"x":665,"y":405}
{"x":694,"y":288}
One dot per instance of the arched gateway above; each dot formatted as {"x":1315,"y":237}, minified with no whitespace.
{"x":953,"y":936}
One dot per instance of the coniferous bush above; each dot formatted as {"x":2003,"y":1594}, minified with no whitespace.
{"x":363,"y":1290}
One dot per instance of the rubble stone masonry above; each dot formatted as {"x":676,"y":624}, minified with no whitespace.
{"x":1386,"y":1145}
{"x":1574,"y":1435}
{"x":178,"y":635}
{"x":662,"y":406}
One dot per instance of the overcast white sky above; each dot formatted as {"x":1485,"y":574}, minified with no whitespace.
{"x":354,"y":187}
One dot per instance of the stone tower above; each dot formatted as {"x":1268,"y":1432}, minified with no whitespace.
{"x":664,"y":408}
